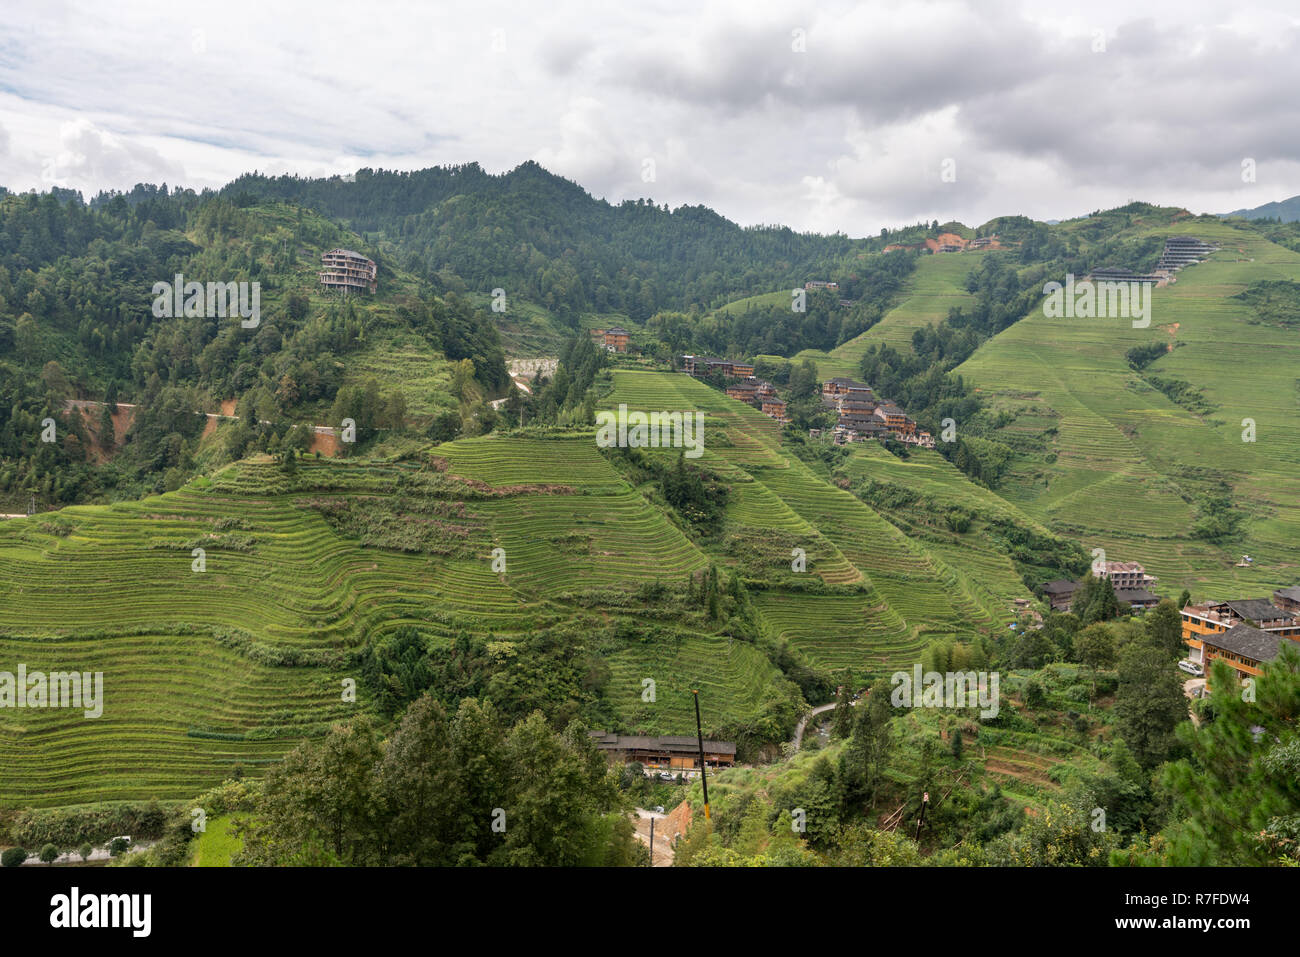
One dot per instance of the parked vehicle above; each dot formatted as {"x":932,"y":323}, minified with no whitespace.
{"x":1191,"y":667}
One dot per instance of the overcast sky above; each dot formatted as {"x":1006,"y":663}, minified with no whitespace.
{"x":821,"y":116}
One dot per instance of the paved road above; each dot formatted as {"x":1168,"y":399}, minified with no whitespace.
{"x":96,"y":854}
{"x":803,"y":722}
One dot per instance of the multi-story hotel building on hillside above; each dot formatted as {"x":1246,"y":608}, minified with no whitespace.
{"x":1244,"y":632}
{"x":349,"y":271}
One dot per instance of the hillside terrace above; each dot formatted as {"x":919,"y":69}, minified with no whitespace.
{"x":1179,"y":251}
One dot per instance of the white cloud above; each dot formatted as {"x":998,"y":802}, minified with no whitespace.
{"x":846,"y":135}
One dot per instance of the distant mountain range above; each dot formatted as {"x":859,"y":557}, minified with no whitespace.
{"x":1287,"y":210}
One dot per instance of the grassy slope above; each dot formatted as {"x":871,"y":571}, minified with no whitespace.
{"x":937,"y":285}
{"x":1128,"y":460}
{"x":218,"y":843}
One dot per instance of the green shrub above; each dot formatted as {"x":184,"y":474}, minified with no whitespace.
{"x":69,"y":826}
{"x":13,"y":857}
{"x":1035,"y":695}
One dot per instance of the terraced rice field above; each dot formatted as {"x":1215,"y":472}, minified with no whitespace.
{"x":937,"y":285}
{"x":231,"y":666}
{"x":406,"y":362}
{"x":732,"y":678}
{"x":180,"y":713}
{"x":908,"y":593}
{"x":1130,"y":464}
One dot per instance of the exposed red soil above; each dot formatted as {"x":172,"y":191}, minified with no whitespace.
{"x":326,"y":443}
{"x":98,"y":451}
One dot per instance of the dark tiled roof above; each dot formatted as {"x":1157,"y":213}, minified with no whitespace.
{"x":673,"y":743}
{"x":1256,"y":609}
{"x":1132,"y":595}
{"x":1246,"y":641}
{"x":1060,"y":587}
{"x":1293,"y":593}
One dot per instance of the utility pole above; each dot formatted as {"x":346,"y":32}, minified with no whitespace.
{"x":652,"y":842}
{"x":925,"y":800}
{"x":699,"y":736}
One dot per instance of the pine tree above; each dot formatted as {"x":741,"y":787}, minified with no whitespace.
{"x":1149,"y":702}
{"x":842,"y":723}
{"x":1236,"y":795}
{"x":1164,"y":627}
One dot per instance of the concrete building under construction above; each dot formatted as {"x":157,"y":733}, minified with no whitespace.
{"x":348,"y":271}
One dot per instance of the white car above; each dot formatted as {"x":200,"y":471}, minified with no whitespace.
{"x":1191,"y":667}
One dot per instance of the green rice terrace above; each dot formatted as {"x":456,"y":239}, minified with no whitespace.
{"x":211,"y":672}
{"x":1110,"y":459}
{"x":1128,"y":459}
{"x":253,"y":606}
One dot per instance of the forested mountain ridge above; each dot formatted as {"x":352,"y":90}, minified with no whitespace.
{"x":543,"y":237}
{"x":77,"y":322}
{"x":616,"y":564}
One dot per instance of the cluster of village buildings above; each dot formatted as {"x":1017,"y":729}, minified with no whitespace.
{"x":861,"y":416}
{"x":1244,"y":632}
{"x":1130,"y":580}
{"x":759,"y":393}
